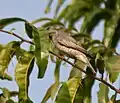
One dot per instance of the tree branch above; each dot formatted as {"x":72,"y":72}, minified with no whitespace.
{"x":93,"y":76}
{"x":16,"y":35}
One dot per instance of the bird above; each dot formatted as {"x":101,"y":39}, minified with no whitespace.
{"x":64,"y":42}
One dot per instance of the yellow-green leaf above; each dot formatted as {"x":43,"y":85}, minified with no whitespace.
{"x":6,"y":54}
{"x":68,"y":90}
{"x":113,"y":67}
{"x":22,"y":73}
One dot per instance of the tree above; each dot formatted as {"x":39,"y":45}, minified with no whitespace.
{"x":104,"y":58}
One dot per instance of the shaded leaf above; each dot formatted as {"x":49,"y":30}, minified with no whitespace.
{"x":40,"y":20}
{"x":57,"y":70}
{"x":59,"y":4}
{"x":113,"y":67}
{"x":110,"y":26}
{"x":47,"y":10}
{"x":87,"y":83}
{"x":93,"y":18}
{"x":103,"y":94}
{"x":6,"y":54}
{"x":6,"y":21}
{"x":67,"y":91}
{"x":22,"y":73}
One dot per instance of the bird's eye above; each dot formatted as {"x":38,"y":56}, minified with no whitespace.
{"x":50,"y":37}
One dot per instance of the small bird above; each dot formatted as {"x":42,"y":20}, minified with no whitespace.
{"x":65,"y":43}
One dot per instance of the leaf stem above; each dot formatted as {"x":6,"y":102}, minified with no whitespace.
{"x":16,"y":35}
{"x":93,"y":76}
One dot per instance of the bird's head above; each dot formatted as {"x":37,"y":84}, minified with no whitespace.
{"x":53,"y":31}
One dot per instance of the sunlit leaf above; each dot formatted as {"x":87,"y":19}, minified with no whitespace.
{"x":6,"y":54}
{"x":6,"y":21}
{"x":75,"y":72}
{"x":22,"y":73}
{"x":42,"y":45}
{"x":103,"y":94}
{"x":6,"y":95}
{"x":113,"y":67}
{"x":51,"y":92}
{"x":67,"y":92}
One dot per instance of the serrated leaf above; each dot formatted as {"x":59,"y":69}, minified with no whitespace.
{"x":6,"y":54}
{"x":113,"y":67}
{"x":22,"y":73}
{"x":103,"y":93}
{"x":67,"y":92}
{"x":93,"y":18}
{"x":6,"y":21}
{"x":51,"y":92}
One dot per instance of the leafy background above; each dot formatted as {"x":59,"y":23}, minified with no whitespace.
{"x":31,"y":12}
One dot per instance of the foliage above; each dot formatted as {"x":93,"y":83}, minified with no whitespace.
{"x":78,"y":88}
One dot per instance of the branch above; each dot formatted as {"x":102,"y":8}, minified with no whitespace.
{"x":16,"y":35}
{"x":93,"y":76}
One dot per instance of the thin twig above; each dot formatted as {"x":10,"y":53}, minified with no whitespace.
{"x":93,"y":76}
{"x":16,"y":35}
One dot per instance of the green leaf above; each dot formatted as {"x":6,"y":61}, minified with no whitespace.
{"x":116,"y":36}
{"x":6,"y":95}
{"x":47,"y":10}
{"x":67,"y":92}
{"x":113,"y":67}
{"x":99,"y":61}
{"x":87,"y":83}
{"x":42,"y":45}
{"x":40,"y":20}
{"x":57,"y":70}
{"x":51,"y":92}
{"x":59,"y":4}
{"x":93,"y":18}
{"x":10,"y":101}
{"x":6,"y":54}
{"x":75,"y":72}
{"x":22,"y":73}
{"x":6,"y":21}
{"x":103,"y":94}
{"x":28,"y":29}
{"x":110,"y":26}
{"x":52,"y":23}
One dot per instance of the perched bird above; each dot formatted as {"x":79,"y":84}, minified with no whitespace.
{"x":68,"y":45}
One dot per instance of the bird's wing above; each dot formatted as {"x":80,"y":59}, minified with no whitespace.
{"x":71,"y":44}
